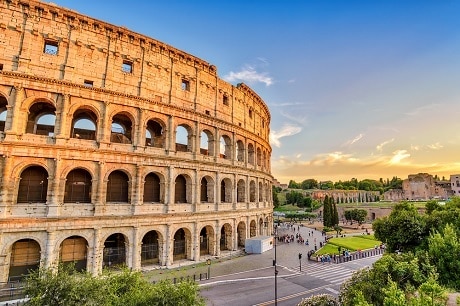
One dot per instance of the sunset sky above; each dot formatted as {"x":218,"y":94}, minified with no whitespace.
{"x":363,"y":89}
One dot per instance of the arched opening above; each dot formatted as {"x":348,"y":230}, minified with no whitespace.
{"x":250,"y":154}
{"x":150,"y":249}
{"x":241,"y":232}
{"x":240,"y":151}
{"x":74,"y":251}
{"x":204,"y":190}
{"x":180,"y":189}
{"x":226,"y":237}
{"x":180,"y":245}
{"x":261,"y":192}
{"x":206,"y":143}
{"x":252,"y":191}
{"x":84,"y":124}
{"x":259,"y":157}
{"x":114,"y":251}
{"x":253,"y":229}
{"x":152,"y":189}
{"x":183,"y":139}
{"x":33,"y":185}
{"x":121,"y":129}
{"x":373,"y":216}
{"x":78,"y":187}
{"x":226,"y":191}
{"x":206,"y":240}
{"x":41,"y":119}
{"x":154,"y":136}
{"x":225,"y":147}
{"x":3,"y":112}
{"x":25,"y":258}
{"x":117,"y":187}
{"x":261,"y":226}
{"x":241,"y":191}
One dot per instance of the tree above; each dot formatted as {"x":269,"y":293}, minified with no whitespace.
{"x":309,"y":184}
{"x":443,"y":251}
{"x":319,"y":300}
{"x":293,"y":185}
{"x":68,"y":287}
{"x":403,"y":229}
{"x":276,"y":201}
{"x":335,"y":215}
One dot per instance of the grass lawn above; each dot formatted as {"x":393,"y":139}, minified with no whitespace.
{"x":352,"y":243}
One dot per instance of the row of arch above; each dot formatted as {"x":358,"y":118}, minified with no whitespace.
{"x":154,"y":247}
{"x":86,"y":123}
{"x":33,"y":187}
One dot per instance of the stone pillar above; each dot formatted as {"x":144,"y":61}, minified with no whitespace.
{"x":169,"y":196}
{"x":13,"y":121}
{"x":135,"y":250}
{"x":105,"y":125}
{"x":97,"y":255}
{"x":235,"y":235}
{"x":50,"y":258}
{"x":8,"y":191}
{"x":62,"y":113}
{"x":196,"y":242}
{"x":53,"y":200}
{"x":137,"y":189}
{"x":169,"y":247}
{"x":218,"y":229}
{"x":217,"y":191}
{"x":139,"y":139}
{"x":170,"y":138}
{"x":99,"y":206}
{"x":196,"y":191}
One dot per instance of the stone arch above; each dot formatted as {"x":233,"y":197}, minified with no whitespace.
{"x":155,"y":135}
{"x":182,"y":189}
{"x":74,"y":250}
{"x":3,"y":112}
{"x":241,"y":191}
{"x":25,"y":257}
{"x":121,"y":129}
{"x":251,"y":156}
{"x":33,"y":185}
{"x":261,"y":192}
{"x":41,"y":118}
{"x":261,"y":226}
{"x":153,"y":188}
{"x":115,"y":250}
{"x":78,"y":186}
{"x":268,"y":193}
{"x":252,"y":191}
{"x":226,"y":190}
{"x":241,"y":231}
{"x":252,"y":229}
{"x":239,"y":151}
{"x":225,"y":147}
{"x":151,"y":248}
{"x":226,"y":237}
{"x":184,"y":138}
{"x":207,"y":240}
{"x":84,"y":123}
{"x":259,"y":157}
{"x":182,"y":244}
{"x":117,"y":187}
{"x":207,"y":189}
{"x":207,"y":142}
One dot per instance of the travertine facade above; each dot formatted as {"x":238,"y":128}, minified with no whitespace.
{"x":94,"y":170}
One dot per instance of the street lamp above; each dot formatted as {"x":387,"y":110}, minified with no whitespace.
{"x":275,"y":232}
{"x":208,"y":262}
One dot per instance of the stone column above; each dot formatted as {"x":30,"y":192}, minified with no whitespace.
{"x":105,"y":125}
{"x":137,"y":189}
{"x":169,"y":196}
{"x":217,"y":191}
{"x":235,"y":235}
{"x":99,"y":205}
{"x":196,"y":191}
{"x":218,"y":229}
{"x":169,"y":247}
{"x":196,"y":242}
{"x":169,"y":146}
{"x":135,"y":250}
{"x":53,"y":186}
{"x":139,"y":139}
{"x":61,"y":129}
{"x":97,"y":255}
{"x":50,"y":258}
{"x":8,"y":191}
{"x":14,"y":117}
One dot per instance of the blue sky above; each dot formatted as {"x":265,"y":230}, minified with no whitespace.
{"x":364,"y":89}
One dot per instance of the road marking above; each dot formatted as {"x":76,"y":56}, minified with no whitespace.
{"x":332,"y":290}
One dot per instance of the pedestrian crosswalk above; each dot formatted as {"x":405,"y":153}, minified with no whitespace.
{"x":332,"y":273}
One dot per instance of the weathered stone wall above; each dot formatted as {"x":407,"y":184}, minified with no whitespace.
{"x":58,"y":69}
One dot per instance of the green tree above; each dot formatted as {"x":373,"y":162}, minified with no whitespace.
{"x":335,"y":215}
{"x":319,"y":300}
{"x":403,"y":229}
{"x":443,"y":251}
{"x":309,"y":184}
{"x":293,"y":185}
{"x":68,"y":287}
{"x":393,"y":295}
{"x":276,"y":201}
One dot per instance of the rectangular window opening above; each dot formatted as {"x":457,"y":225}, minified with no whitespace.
{"x":207,"y":112}
{"x":250,"y":113}
{"x":225,"y":100}
{"x":185,"y":85}
{"x":88,"y":83}
{"x":51,"y":47}
{"x":127,"y":67}
{"x":1,"y":67}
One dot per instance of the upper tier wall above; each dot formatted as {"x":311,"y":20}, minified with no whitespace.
{"x":45,"y":40}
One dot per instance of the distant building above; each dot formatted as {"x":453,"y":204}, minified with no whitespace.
{"x":455,"y":184}
{"x":422,"y":187}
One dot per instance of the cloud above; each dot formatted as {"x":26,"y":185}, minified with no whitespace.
{"x":398,"y":156}
{"x":435,"y":146}
{"x":356,"y":139}
{"x":299,"y":120}
{"x":424,"y":108}
{"x":414,"y":147}
{"x":287,"y":130}
{"x":250,"y":75}
{"x":379,"y":147}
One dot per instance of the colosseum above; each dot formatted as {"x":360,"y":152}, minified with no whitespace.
{"x":116,"y":148}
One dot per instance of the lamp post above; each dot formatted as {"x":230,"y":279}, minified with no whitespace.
{"x":276,"y":270}
{"x":208,"y":262}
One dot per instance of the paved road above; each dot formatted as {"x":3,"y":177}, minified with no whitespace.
{"x":250,"y":280}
